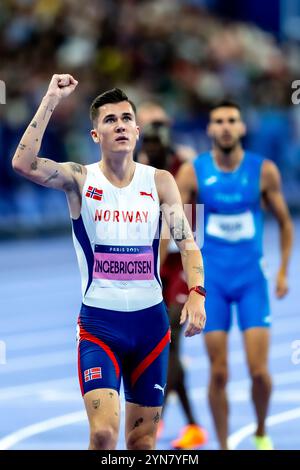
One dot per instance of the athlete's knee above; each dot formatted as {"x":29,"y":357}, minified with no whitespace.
{"x":260,"y":376}
{"x":104,"y":437}
{"x":140,"y":442}
{"x":219,"y":376}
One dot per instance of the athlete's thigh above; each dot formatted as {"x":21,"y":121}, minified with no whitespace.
{"x":103,"y":408}
{"x":99,"y":364}
{"x":141,"y":421}
{"x":145,"y":371}
{"x":217,"y":307}
{"x":97,"y":367}
{"x":253,"y":307}
{"x":217,"y":348}
{"x":257,"y":342}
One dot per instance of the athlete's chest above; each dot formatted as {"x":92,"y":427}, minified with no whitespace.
{"x":136,"y":205}
{"x":229,"y":191}
{"x":121,"y":216}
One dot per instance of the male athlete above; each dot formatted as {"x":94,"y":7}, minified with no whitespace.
{"x":115,"y":208}
{"x":233,"y":183}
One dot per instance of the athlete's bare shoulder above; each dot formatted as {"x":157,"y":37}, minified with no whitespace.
{"x":162,"y":176}
{"x":270,"y":176}
{"x":165,"y":183}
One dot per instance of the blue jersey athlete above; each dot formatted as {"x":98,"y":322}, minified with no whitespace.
{"x":233,"y":184}
{"x":116,"y":206}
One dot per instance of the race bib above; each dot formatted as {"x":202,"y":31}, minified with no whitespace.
{"x":232,"y":228}
{"x":123,"y":263}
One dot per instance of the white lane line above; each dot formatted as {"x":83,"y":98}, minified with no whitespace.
{"x":65,"y":420}
{"x":238,"y":436}
{"x":33,"y":388}
{"x":79,"y":416}
{"x":30,"y":389}
{"x":244,"y":396}
{"x":51,"y":338}
{"x":279,"y":351}
{"x":40,"y":361}
{"x":239,"y":387}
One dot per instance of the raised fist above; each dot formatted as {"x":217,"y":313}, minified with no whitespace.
{"x":61,"y":86}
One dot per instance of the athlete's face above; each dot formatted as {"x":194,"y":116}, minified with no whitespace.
{"x":115,"y":128}
{"x":226,"y":128}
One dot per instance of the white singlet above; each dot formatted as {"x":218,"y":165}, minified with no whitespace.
{"x":116,"y":239}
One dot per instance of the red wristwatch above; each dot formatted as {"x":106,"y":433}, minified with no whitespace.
{"x":199,"y":289}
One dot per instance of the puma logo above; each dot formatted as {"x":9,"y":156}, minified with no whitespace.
{"x":158,"y":387}
{"x":143,"y":193}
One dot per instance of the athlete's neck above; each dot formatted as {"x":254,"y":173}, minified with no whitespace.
{"x":228,"y":161}
{"x":118,"y":172}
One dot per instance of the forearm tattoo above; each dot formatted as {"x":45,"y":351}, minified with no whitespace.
{"x":179,"y":229}
{"x":47,"y":109}
{"x":199,"y":270}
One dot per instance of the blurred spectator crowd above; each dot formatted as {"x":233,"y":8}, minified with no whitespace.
{"x":174,"y":51}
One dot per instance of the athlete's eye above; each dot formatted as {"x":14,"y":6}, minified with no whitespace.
{"x":127,"y":118}
{"x":109,"y":119}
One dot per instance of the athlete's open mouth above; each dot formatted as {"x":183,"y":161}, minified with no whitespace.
{"x":122,"y":138}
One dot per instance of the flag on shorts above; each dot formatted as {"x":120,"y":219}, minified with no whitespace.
{"x":92,"y":374}
{"x":94,"y":193}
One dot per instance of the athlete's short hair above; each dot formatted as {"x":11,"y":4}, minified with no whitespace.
{"x":225,"y":104}
{"x":110,"y":96}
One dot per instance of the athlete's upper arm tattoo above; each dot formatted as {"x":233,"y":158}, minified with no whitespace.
{"x":52,"y":177}
{"x":76,"y":168}
{"x":34,"y":165}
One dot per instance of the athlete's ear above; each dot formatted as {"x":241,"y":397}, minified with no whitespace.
{"x":137,"y":132}
{"x":94,"y":135}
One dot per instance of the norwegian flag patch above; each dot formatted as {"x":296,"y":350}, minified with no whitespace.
{"x":94,"y":193}
{"x":92,"y":374}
